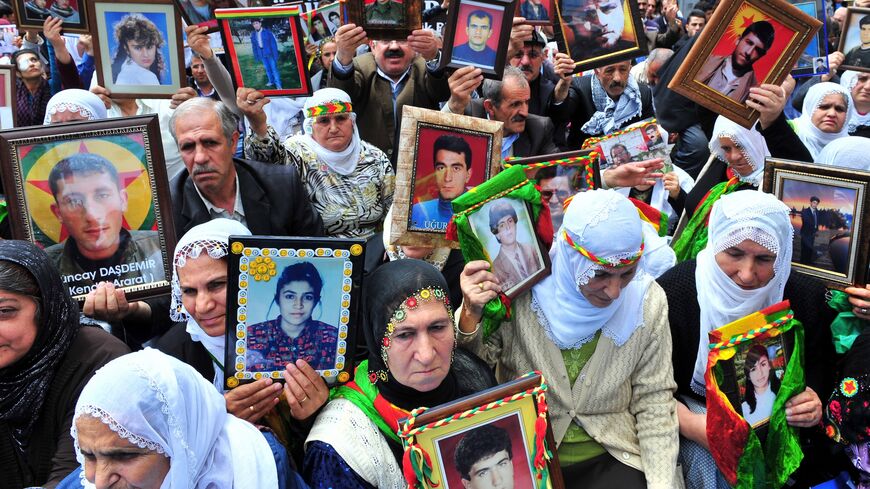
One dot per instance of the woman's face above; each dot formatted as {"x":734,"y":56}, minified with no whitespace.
{"x":18,"y":327}
{"x":421,"y":347}
{"x":830,"y":115}
{"x":333,"y":131}
{"x":203,"y":282}
{"x":296,"y":301}
{"x":606,"y":285}
{"x":141,"y":54}
{"x":67,"y":116}
{"x":112,"y":461}
{"x":327,"y":54}
{"x":735,"y":158}
{"x":759,"y":374}
{"x":748,"y":264}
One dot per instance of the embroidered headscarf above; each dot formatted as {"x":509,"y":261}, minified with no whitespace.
{"x":212,"y":238}
{"x":75,"y":100}
{"x":814,"y":138}
{"x":611,"y":115}
{"x":601,"y":231}
{"x":324,"y":102}
{"x":750,"y":142}
{"x":736,"y":217}
{"x":849,"y":152}
{"x":157,"y":402}
{"x":856,"y":119}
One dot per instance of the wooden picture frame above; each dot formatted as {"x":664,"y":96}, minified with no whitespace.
{"x":413,"y":222}
{"x":575,"y":38}
{"x":261,"y":70}
{"x":505,"y":416}
{"x":405,"y":16}
{"x":467,"y":16}
{"x":543,"y":16}
{"x":191,"y":16}
{"x":328,"y":269}
{"x":783,"y":26}
{"x":126,"y":78}
{"x":856,"y":59}
{"x":126,"y":155}
{"x":840,"y":252}
{"x":30,"y":15}
{"x":814,"y":59}
{"x":8,"y":97}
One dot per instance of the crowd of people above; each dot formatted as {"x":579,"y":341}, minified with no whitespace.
{"x":124,"y":393}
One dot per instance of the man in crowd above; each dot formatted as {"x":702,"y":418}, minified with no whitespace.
{"x":860,"y":55}
{"x":199,"y":78}
{"x":733,"y":75}
{"x":478,"y":29}
{"x":453,"y":167}
{"x":695,"y":22}
{"x":483,"y":459}
{"x":265,"y":48}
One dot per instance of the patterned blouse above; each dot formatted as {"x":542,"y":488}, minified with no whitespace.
{"x":352,"y":206}
{"x":270,"y":349}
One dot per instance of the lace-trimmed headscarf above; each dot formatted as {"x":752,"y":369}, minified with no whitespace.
{"x":156,"y":402}
{"x":849,"y":152}
{"x":814,"y":138}
{"x":750,"y":142}
{"x":324,"y":102}
{"x":75,"y":100}
{"x":607,"y":227}
{"x":754,"y":216}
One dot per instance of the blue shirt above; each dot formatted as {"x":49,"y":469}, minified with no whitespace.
{"x":464,"y":53}
{"x":432,"y":215}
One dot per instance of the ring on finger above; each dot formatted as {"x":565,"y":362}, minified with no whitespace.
{"x":864,"y":310}
{"x":303,"y":399}
{"x":480,"y":284}
{"x":251,"y":408}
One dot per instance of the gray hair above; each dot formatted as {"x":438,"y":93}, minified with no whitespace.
{"x":492,"y":88}
{"x":229,"y":120}
{"x":659,"y":55}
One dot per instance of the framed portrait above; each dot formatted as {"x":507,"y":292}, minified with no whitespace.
{"x":489,"y":436}
{"x":307,"y":294}
{"x":814,"y":59}
{"x":829,"y":211}
{"x":855,"y":40}
{"x":322,"y":22}
{"x":440,"y":156}
{"x":30,"y":14}
{"x":599,"y":32}
{"x":758,"y":41}
{"x":8,"y":97}
{"x":95,"y":196}
{"x":201,"y":12}
{"x":129,"y":67}
{"x":639,"y":142}
{"x":480,"y":31}
{"x":385,"y":19}
{"x":266,"y":50}
{"x":537,"y":12}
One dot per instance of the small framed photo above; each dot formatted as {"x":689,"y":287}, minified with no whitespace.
{"x":290,"y":299}
{"x":441,"y":155}
{"x":599,"y":32}
{"x":814,"y":59}
{"x":322,"y":22}
{"x":745,"y":44}
{"x":386,"y":19}
{"x":8,"y":97}
{"x":30,"y":14}
{"x":829,"y":211}
{"x":855,"y":40}
{"x":138,"y":48}
{"x":480,"y":31}
{"x":640,"y":142}
{"x":95,"y":196}
{"x":201,"y":12}
{"x":500,"y":440}
{"x":266,"y":49}
{"x":537,"y":12}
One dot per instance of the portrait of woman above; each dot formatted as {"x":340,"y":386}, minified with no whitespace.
{"x":761,"y":386}
{"x":138,"y":59}
{"x":295,"y":333}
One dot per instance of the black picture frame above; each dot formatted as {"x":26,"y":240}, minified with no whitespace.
{"x":493,"y":60}
{"x":30,"y":15}
{"x":847,"y":46}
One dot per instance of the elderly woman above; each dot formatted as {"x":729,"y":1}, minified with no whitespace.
{"x":46,"y":357}
{"x":826,"y":109}
{"x":74,"y":104}
{"x":858,"y":84}
{"x":349,"y":181}
{"x":412,"y":362}
{"x":596,"y":318}
{"x":744,"y":268}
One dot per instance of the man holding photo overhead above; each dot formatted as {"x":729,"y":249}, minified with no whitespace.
{"x":265,"y":48}
{"x":733,"y":75}
{"x":478,"y":28}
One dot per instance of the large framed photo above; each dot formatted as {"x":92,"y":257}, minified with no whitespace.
{"x":265,"y":49}
{"x":201,"y":12}
{"x":441,"y":155}
{"x":138,"y":48}
{"x":599,"y":32}
{"x":8,"y":97}
{"x":639,"y":142}
{"x":290,"y":299}
{"x":95,"y":196}
{"x":386,"y":19}
{"x":814,"y":60}
{"x":829,"y":211}
{"x":745,"y":44}
{"x":537,"y":12}
{"x":501,"y":433}
{"x":479,"y":32}
{"x":30,"y":14}
{"x":855,"y":40}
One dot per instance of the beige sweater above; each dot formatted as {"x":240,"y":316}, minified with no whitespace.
{"x":623,"y":397}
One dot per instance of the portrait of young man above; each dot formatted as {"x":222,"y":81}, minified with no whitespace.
{"x":859,"y":55}
{"x":809,"y":229}
{"x":483,"y":459}
{"x":452,"y":160}
{"x":595,"y":27}
{"x":516,"y":260}
{"x":478,"y":29}
{"x":385,"y":12}
{"x":733,"y":75}
{"x":265,"y":47}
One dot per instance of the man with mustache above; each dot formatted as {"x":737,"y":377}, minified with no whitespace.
{"x":733,"y":75}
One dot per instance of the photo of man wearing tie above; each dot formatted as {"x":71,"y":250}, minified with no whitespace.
{"x":809,"y":228}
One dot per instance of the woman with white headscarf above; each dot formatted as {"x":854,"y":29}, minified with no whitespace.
{"x":596,"y":318}
{"x":826,"y":109}
{"x":849,"y":152}
{"x":349,"y":181}
{"x":858,"y":85}
{"x":744,"y":268}
{"x":74,"y":104}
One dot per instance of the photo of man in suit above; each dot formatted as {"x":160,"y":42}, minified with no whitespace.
{"x":265,"y":47}
{"x":809,"y":228}
{"x":452,"y":159}
{"x":734,"y":75}
{"x":483,"y":459}
{"x":478,"y":28}
{"x":385,"y":12}
{"x":515,"y":261}
{"x":860,"y":54}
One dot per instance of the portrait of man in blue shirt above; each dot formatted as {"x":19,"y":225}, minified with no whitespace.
{"x":452,"y":158}
{"x":478,"y":28}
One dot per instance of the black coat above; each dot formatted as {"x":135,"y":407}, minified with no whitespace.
{"x":536,"y":139}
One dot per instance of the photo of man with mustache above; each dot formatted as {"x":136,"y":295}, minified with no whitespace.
{"x":595,"y":27}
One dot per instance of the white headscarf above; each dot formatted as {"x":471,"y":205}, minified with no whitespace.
{"x":750,"y":142}
{"x":606,"y":224}
{"x":856,"y":120}
{"x":210,"y":237}
{"x":814,"y":138}
{"x":157,"y":402}
{"x":736,"y":217}
{"x":75,"y":100}
{"x":849,"y":152}
{"x":342,"y":162}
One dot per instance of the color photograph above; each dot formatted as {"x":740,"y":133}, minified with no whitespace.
{"x":201,"y":12}
{"x":639,"y":143}
{"x":388,"y":13}
{"x":814,"y":59}
{"x":759,"y":368}
{"x":477,"y":34}
{"x":32,"y":13}
{"x":600,"y":32}
{"x":536,"y":12}
{"x":855,"y":39}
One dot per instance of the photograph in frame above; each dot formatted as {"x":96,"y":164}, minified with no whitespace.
{"x":855,"y":40}
{"x":480,"y":33}
{"x":814,"y":59}
{"x":537,"y":12}
{"x":138,"y":48}
{"x":8,"y":101}
{"x":290,"y":299}
{"x":31,"y":14}
{"x":599,"y":32}
{"x":641,"y":141}
{"x":386,"y":19}
{"x":265,"y":48}
{"x":201,"y":12}
{"x":94,"y":195}
{"x":322,"y":22}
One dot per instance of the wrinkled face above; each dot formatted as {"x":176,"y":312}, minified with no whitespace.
{"x":67,"y":116}
{"x":333,"y":131}
{"x":197,"y":69}
{"x":614,"y":78}
{"x":695,"y":25}
{"x":605,"y":20}
{"x":91,"y":207}
{"x":506,"y":231}
{"x":606,"y":285}
{"x":865,"y":34}
{"x":142,"y":54}
{"x":495,"y":471}
{"x":115,"y":462}
{"x":619,"y":155}
{"x":555,"y":190}
{"x":529,"y":59}
{"x":830,"y":115}
{"x":327,"y":54}
{"x":479,"y":31}
{"x":18,"y":327}
{"x":748,"y":264}
{"x":421,"y":347}
{"x":393,"y":57}
{"x":735,"y":158}
{"x":749,"y":49}
{"x":514,"y":108}
{"x":207,"y":154}
{"x":296,"y":301}
{"x":861,"y":92}
{"x":759,"y":374}
{"x":203,"y":282}
{"x":451,"y":174}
